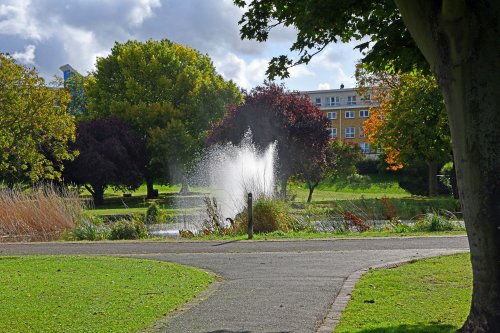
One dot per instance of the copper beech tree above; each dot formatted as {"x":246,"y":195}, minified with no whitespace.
{"x":273,"y":114}
{"x":110,"y":154}
{"x":456,"y":40}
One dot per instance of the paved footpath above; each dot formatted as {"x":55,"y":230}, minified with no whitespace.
{"x":267,"y":286}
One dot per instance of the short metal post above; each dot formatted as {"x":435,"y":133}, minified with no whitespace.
{"x":250,"y":216}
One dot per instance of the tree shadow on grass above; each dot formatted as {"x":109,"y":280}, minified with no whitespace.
{"x":428,"y":328}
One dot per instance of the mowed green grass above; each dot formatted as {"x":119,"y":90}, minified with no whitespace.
{"x":373,"y":186}
{"x":91,"y":294}
{"x":428,"y":296}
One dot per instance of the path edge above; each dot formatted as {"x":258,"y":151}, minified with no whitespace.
{"x":161,"y":324}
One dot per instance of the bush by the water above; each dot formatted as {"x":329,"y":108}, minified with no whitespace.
{"x":268,"y":215}
{"x":87,"y":231}
{"x":153,"y":214}
{"x":127,"y":229}
{"x":94,"y":229}
{"x":435,"y":222}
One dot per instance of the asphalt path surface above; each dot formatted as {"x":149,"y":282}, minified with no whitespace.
{"x":267,"y":286}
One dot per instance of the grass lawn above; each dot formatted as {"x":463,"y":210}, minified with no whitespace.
{"x":428,"y":296}
{"x":169,"y":200}
{"x":91,"y":294}
{"x":373,"y":186}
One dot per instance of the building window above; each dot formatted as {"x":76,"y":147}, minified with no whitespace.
{"x":361,"y":134}
{"x":332,"y":115}
{"x":350,"y":132}
{"x":318,"y":101}
{"x":351,"y":100}
{"x":367,"y":99}
{"x":364,"y":113}
{"x":349,"y":114}
{"x":333,"y":101}
{"x":333,"y":132}
{"x":365,"y":147}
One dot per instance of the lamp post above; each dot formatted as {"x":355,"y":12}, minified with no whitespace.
{"x":250,"y":216}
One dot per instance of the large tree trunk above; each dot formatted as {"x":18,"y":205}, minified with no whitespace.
{"x":461,"y":42}
{"x":97,"y":192}
{"x":432,"y":182}
{"x":151,"y":192}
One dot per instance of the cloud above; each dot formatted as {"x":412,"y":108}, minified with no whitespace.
{"x":77,"y":31}
{"x":244,"y":74}
{"x":142,"y":11}
{"x":16,"y":19}
{"x":324,"y":86}
{"x":300,"y":71}
{"x":27,"y":57}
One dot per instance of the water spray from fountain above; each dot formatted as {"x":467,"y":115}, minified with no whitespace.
{"x":232,"y":171}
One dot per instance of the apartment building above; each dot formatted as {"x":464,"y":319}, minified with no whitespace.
{"x":347,"y":111}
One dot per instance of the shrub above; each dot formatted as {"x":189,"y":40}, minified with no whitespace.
{"x":153,"y":214}
{"x":434,"y":222}
{"x":367,"y":167}
{"x":91,"y":229}
{"x":356,"y":221}
{"x":127,"y":229}
{"x":268,"y":215}
{"x":86,"y":231}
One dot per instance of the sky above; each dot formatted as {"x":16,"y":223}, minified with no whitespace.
{"x":47,"y":34}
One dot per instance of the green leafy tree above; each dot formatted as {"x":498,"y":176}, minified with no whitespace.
{"x":169,"y":93}
{"x":459,"y":41}
{"x":35,"y":129}
{"x":411,"y":124}
{"x":342,"y":159}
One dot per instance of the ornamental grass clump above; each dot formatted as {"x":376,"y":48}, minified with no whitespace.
{"x":39,"y":214}
{"x":153,"y":214}
{"x":269,"y":215}
{"x":436,"y":222}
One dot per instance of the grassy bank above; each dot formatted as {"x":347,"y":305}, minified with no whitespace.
{"x":91,"y":294}
{"x":428,"y":296}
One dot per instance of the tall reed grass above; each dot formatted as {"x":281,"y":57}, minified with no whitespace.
{"x":38,"y":214}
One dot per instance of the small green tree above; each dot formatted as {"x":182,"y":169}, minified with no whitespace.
{"x":342,"y":159}
{"x":34,"y":127}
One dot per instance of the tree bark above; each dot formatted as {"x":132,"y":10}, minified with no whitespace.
{"x":97,"y":192}
{"x":184,"y":187}
{"x":460,"y":41}
{"x":311,"y":186}
{"x":432,"y":182}
{"x":284,"y":183}
{"x":151,"y":193}
{"x":453,"y":182}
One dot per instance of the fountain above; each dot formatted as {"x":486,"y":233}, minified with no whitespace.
{"x":235,"y":170}
{"x":228,"y":172}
